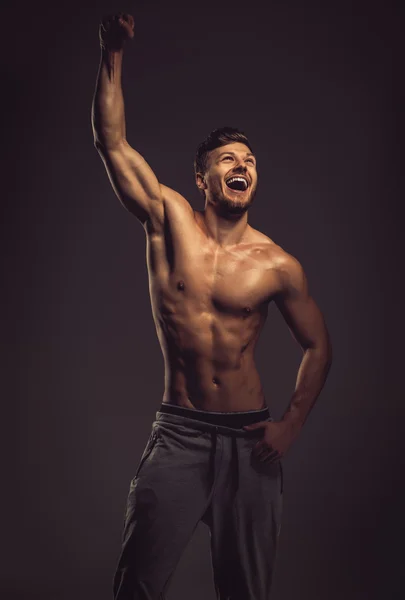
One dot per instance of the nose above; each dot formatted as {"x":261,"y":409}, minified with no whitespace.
{"x":241,"y":166}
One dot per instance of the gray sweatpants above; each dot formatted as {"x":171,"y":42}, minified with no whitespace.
{"x":197,"y":466}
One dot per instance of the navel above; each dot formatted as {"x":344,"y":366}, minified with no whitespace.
{"x":215,"y":380}
{"x":247,"y":310}
{"x":180,"y":285}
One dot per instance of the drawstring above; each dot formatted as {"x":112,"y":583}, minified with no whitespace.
{"x":235,"y":460}
{"x":213,"y":454}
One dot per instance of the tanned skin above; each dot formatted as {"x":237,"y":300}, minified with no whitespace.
{"x":211,"y":275}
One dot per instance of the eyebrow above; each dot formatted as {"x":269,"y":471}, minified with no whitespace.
{"x":233,"y":154}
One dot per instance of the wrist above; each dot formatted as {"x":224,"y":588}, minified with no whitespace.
{"x":293,"y":419}
{"x":108,"y":50}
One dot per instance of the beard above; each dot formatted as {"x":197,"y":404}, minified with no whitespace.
{"x":229,"y":207}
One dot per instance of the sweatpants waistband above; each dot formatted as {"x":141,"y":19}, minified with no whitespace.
{"x":233,"y":420}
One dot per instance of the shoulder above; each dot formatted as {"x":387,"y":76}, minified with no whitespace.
{"x":287,"y":268}
{"x":291,"y":278}
{"x":275,"y":256}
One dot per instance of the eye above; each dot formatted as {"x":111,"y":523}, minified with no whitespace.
{"x":227,"y":158}
{"x":251,"y":161}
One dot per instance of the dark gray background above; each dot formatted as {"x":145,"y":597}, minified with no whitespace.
{"x":316,"y":87}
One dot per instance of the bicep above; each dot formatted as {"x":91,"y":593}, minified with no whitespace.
{"x":299,"y":310}
{"x":133,"y":181}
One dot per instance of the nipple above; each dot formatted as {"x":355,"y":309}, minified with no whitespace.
{"x":180,"y":285}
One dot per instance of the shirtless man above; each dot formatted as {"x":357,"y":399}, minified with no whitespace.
{"x":214,"y":453}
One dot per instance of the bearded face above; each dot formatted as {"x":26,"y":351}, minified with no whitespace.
{"x":230,"y":180}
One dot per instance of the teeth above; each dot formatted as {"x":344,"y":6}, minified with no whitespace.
{"x":238,"y":179}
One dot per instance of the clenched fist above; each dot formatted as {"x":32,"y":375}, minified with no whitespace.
{"x":114,"y":30}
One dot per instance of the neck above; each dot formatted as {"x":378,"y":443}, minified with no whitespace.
{"x":226,"y":230}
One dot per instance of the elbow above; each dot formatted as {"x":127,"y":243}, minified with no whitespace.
{"x":96,"y":145}
{"x":101,"y":147}
{"x":97,"y":133}
{"x":323,"y":350}
{"x":104,"y":145}
{"x":324,"y":347}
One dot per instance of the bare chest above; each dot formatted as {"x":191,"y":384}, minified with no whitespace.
{"x":187,"y":269}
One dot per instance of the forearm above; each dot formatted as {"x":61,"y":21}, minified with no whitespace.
{"x":311,"y":378}
{"x":108,"y":116}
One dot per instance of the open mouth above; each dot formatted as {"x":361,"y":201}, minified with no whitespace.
{"x":237,"y":183}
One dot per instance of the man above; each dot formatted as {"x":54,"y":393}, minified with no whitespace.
{"x":214,"y":451}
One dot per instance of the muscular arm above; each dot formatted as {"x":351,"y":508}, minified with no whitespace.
{"x":132,"y":179}
{"x":308,"y":327}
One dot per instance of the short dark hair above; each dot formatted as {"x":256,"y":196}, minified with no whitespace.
{"x":218,"y":137}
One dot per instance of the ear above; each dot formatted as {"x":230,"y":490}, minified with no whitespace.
{"x":199,"y":179}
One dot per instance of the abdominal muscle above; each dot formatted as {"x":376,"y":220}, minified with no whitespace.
{"x":227,"y":392}
{"x":211,"y":366}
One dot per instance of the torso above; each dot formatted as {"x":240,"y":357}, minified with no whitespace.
{"x":209,"y":305}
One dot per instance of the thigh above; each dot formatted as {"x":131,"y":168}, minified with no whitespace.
{"x":166,"y":500}
{"x":245,"y":523}
{"x":260,"y":492}
{"x":170,"y":484}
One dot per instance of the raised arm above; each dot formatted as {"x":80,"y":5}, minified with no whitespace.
{"x":132,"y":179}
